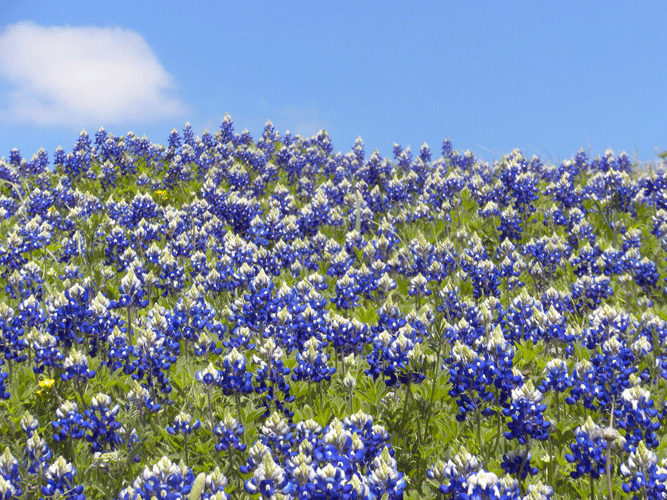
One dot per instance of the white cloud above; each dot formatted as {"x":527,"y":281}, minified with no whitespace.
{"x":304,"y":120}
{"x":308,"y":129}
{"x":77,"y":75}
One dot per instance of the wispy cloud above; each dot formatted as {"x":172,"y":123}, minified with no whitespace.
{"x":305,"y":120}
{"x":76,"y":75}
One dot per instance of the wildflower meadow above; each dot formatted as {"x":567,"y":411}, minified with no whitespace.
{"x":234,"y":317}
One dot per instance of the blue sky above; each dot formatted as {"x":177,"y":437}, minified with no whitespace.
{"x":546,"y":77}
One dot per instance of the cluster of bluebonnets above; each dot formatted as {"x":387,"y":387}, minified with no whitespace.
{"x":224,"y":317}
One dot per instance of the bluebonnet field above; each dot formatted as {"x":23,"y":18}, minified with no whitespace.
{"x":265,"y":318}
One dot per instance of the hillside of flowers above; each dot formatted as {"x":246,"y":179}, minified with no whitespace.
{"x":234,"y":317}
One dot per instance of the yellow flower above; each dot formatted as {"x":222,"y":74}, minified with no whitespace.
{"x":47,"y":383}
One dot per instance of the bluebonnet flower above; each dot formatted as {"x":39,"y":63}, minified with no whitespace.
{"x":12,"y":256}
{"x":104,"y":431}
{"x":230,"y":433}
{"x":527,"y":415}
{"x":192,"y":315}
{"x":485,"y":278}
{"x":67,"y":313}
{"x":37,"y":454}
{"x":585,"y":386}
{"x":70,"y":423}
{"x":164,"y":480}
{"x":117,"y":243}
{"x":44,"y":347}
{"x":636,"y":415}
{"x":343,"y":460}
{"x":214,"y":486}
{"x":418,"y":287}
{"x":645,"y":478}
{"x":312,"y":363}
{"x":646,"y":274}
{"x":234,"y":378}
{"x":463,"y":476}
{"x":10,"y":480}
{"x":612,"y":370}
{"x":511,"y":224}
{"x":384,"y":477}
{"x":12,"y":342}
{"x":29,"y":424}
{"x":560,"y":301}
{"x":108,"y":175}
{"x":27,"y":282}
{"x":100,"y":324}
{"x":31,"y":315}
{"x":60,"y":481}
{"x":557,"y":377}
{"x":171,"y":274}
{"x":392,"y":357}
{"x":631,"y":239}
{"x":518,"y":463}
{"x":270,"y":377}
{"x":183,"y":424}
{"x":119,"y":352}
{"x":131,"y":291}
{"x":269,"y":479}
{"x":539,"y":491}
{"x":347,"y":292}
{"x":564,"y":190}
{"x":384,"y":286}
{"x":209,"y":376}
{"x":258,"y":306}
{"x":154,"y":359}
{"x":346,"y":336}
{"x":588,"y":293}
{"x":76,"y":367}
{"x":524,"y":318}
{"x":141,"y":397}
{"x":205,"y":346}
{"x":589,"y":452}
{"x":471,"y":377}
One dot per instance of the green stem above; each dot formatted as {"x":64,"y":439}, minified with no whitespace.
{"x":210,"y":406}
{"x":608,"y":473}
{"x":237,"y":401}
{"x":80,"y":392}
{"x":434,"y":379}
{"x":523,"y":464}
{"x":408,"y":394}
{"x":609,"y":443}
{"x":480,"y":442}
{"x":550,"y":470}
{"x":232,"y":466}
{"x":321,"y":397}
{"x":499,"y":433}
{"x":129,"y":326}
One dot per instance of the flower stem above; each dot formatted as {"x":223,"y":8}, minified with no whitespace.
{"x":210,"y":407}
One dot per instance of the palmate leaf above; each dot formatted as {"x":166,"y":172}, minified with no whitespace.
{"x":371,"y":391}
{"x":526,"y":352}
{"x":448,"y":430}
